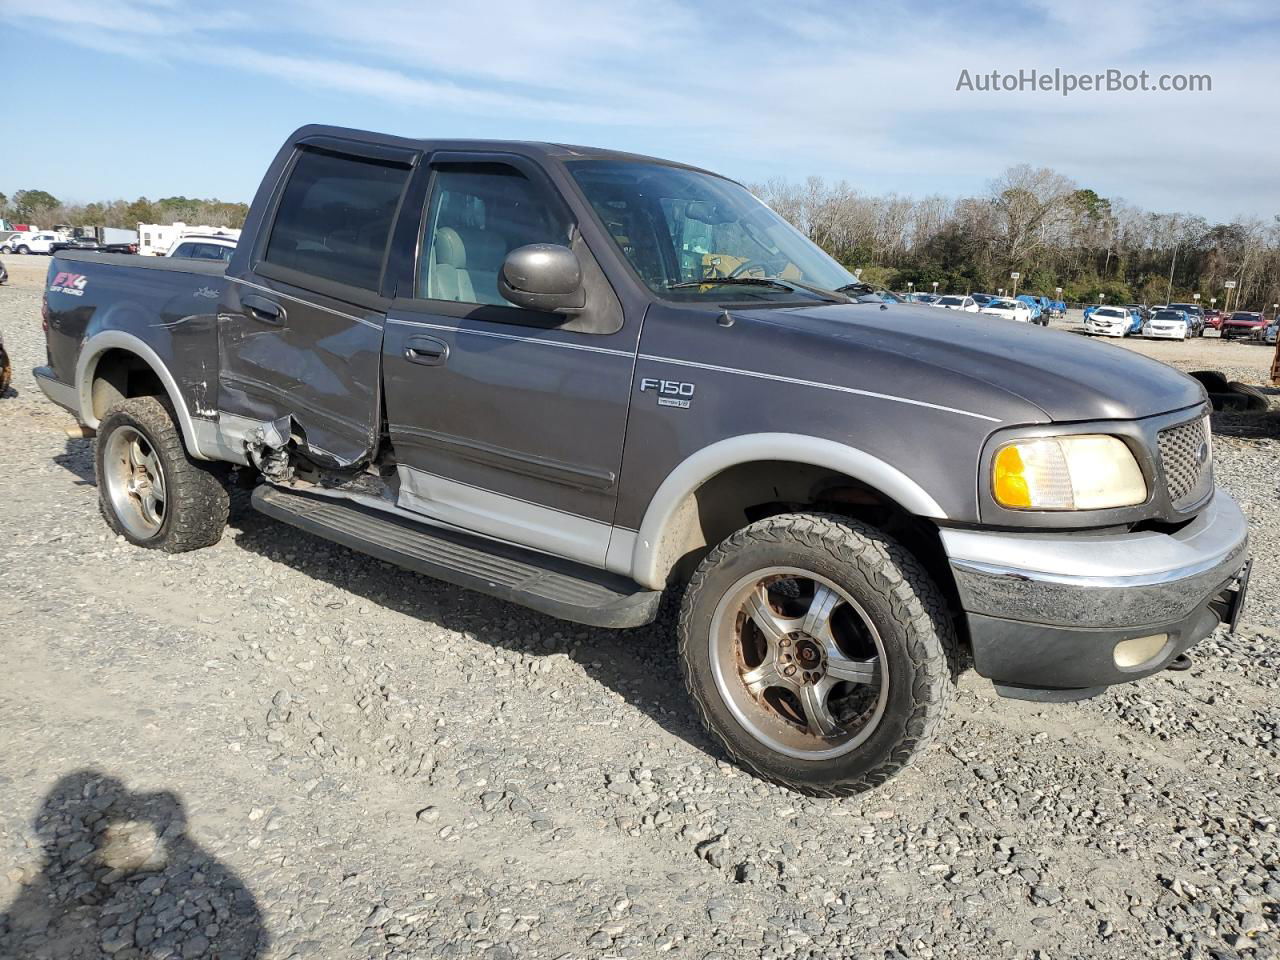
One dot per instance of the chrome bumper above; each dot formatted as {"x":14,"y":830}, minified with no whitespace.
{"x":1046,"y":610}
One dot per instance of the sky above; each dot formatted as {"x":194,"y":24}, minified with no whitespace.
{"x":110,"y":99}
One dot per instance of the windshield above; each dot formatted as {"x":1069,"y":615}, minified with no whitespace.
{"x":678,"y":226}
{"x":1004,"y":305}
{"x":1167,"y":315}
{"x":952,"y":301}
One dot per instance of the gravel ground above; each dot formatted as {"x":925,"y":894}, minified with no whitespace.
{"x":278,"y":748}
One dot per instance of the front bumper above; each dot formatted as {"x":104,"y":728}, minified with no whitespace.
{"x":1106,"y":329}
{"x":1168,"y":333}
{"x":1045,"y":611}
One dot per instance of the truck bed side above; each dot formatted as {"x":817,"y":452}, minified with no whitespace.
{"x":99,"y":306}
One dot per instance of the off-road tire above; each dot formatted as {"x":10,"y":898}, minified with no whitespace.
{"x":196,"y":503}
{"x":906,"y":606}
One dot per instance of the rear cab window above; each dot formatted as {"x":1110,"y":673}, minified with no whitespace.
{"x":334,"y":218}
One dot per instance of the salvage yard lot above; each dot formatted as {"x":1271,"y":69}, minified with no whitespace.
{"x":375,"y":764}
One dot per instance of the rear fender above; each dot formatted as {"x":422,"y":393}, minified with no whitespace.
{"x":200,"y":436}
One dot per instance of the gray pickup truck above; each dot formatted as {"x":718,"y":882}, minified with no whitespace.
{"x":578,"y":379}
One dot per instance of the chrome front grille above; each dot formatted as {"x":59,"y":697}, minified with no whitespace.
{"x":1186,"y":456}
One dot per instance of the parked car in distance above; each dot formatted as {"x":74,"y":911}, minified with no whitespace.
{"x":1214,"y":318}
{"x":956,"y":302}
{"x":1007,"y":309}
{"x":203,"y":248}
{"x":1242,"y":323}
{"x":35,"y":242}
{"x":1037,"y":305}
{"x":1195,"y":316}
{"x":1167,"y":324}
{"x":1269,"y":336}
{"x":1108,"y":322}
{"x":471,"y":359}
{"x":922,"y":298}
{"x":76,"y":243}
{"x":1057,"y":309}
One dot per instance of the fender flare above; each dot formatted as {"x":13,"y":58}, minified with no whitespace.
{"x":91,"y":352}
{"x":699,"y":467}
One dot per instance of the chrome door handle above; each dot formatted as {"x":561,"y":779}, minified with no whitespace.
{"x":262,"y":309}
{"x":427,"y":351}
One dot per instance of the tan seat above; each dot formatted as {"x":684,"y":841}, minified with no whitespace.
{"x":447,"y":277}
{"x":465,"y":265}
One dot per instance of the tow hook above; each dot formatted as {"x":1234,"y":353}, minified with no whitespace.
{"x":1179,"y":663}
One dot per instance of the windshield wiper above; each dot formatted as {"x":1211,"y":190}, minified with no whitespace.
{"x":777,"y":283}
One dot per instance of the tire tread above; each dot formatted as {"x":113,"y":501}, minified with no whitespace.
{"x":916,"y":603}
{"x":196,"y":493}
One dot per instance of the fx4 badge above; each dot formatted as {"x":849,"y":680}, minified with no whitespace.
{"x":671,"y":393}
{"x":72,"y":284}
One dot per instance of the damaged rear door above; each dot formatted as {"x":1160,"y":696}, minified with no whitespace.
{"x":300,"y":324}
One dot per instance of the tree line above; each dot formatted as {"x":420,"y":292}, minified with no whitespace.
{"x":1040,"y":224}
{"x":43,"y":208}
{"x":1030,"y":220}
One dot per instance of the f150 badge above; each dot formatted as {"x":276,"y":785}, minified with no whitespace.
{"x":671,"y":393}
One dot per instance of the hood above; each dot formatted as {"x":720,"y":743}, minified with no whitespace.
{"x":1066,"y":376}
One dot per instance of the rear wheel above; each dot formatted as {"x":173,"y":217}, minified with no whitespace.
{"x":6,"y":372}
{"x":24,"y":250}
{"x":150,"y":490}
{"x":818,"y":652}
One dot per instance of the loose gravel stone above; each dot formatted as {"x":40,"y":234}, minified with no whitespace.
{"x":278,"y":748}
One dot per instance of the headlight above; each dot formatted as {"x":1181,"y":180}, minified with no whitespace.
{"x":1086,"y":472}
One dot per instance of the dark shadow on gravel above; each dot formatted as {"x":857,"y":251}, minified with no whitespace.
{"x":1251,"y":424}
{"x":639,"y":664}
{"x":77,"y":458}
{"x":121,"y":876}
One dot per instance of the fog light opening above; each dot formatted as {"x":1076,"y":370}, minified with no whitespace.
{"x":1140,"y":652}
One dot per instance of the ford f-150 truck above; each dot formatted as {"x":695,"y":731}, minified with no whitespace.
{"x":577,"y":379}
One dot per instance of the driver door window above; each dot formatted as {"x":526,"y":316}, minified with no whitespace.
{"x":477,"y":215}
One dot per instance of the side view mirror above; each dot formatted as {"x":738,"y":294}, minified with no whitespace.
{"x":543,"y":276}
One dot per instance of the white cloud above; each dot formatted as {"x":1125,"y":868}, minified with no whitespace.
{"x":865,"y":92}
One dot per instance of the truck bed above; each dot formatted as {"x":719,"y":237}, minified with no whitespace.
{"x":169,"y":305}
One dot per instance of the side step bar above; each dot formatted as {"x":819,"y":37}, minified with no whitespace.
{"x":549,"y":585}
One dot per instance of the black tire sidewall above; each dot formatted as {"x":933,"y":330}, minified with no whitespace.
{"x":855,"y":573}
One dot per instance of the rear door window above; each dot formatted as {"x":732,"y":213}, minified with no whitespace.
{"x":334,"y":218}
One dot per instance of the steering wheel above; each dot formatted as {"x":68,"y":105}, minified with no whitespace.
{"x":741,"y":269}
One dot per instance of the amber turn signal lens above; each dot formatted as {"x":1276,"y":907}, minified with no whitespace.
{"x":1011,"y":488}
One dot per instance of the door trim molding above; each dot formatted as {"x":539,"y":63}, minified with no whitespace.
{"x":513,"y":461}
{"x":496,"y":515}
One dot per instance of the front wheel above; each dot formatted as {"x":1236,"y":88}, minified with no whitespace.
{"x":24,"y":250}
{"x":818,"y":652}
{"x":150,"y":490}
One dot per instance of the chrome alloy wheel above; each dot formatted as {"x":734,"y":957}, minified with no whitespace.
{"x":135,"y":482}
{"x":799,"y":663}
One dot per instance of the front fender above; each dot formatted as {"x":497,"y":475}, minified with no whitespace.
{"x":645,"y":562}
